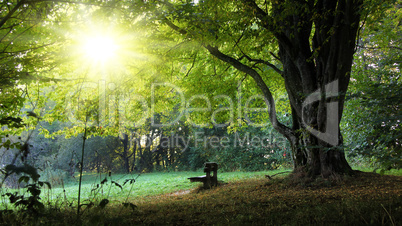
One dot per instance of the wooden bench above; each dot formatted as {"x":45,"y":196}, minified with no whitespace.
{"x":208,"y":180}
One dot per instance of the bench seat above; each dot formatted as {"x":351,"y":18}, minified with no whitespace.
{"x":198,"y":179}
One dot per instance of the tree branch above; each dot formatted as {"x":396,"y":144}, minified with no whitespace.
{"x":18,"y":36}
{"x":260,"y":14}
{"x":26,"y":50}
{"x":275,"y":56}
{"x":268,"y":98}
{"x":9,"y":14}
{"x":259,"y":61}
{"x":268,"y":22}
{"x":192,"y":65}
{"x":174,"y":27}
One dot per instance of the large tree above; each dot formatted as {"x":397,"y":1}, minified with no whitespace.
{"x":310,"y":44}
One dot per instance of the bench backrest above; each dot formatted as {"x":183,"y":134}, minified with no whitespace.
{"x":211,"y":167}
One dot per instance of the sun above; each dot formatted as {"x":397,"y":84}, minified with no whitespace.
{"x":103,"y":52}
{"x":100,"y":49}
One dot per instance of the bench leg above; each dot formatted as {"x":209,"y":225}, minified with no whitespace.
{"x":214,"y":181}
{"x":207,"y":183}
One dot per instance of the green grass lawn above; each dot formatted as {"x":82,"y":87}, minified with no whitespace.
{"x":243,"y":198}
{"x":145,"y":185}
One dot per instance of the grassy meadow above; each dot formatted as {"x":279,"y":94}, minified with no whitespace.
{"x":141,"y":186}
{"x":242,"y":198}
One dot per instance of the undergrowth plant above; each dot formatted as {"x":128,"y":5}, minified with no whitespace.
{"x":99,"y":187}
{"x":98,"y":196}
{"x":31,"y":204}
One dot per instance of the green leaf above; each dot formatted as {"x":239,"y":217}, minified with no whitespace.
{"x":104,"y":181}
{"x":117,"y":184}
{"x":23,"y":179}
{"x":131,"y":181}
{"x":103,"y":203}
{"x":129,"y":205}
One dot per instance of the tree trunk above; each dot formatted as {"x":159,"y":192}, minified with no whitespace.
{"x":316,"y":77}
{"x":125,"y":155}
{"x":315,"y":156}
{"x":134,"y":145}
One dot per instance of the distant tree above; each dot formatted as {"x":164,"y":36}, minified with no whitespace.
{"x":373,"y":114}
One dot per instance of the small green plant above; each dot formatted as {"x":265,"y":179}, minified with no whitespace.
{"x":96,"y":193}
{"x":31,"y":204}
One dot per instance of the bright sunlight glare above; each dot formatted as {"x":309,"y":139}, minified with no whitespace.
{"x":100,"y":48}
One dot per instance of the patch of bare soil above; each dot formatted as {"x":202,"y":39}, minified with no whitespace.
{"x":178,"y":193}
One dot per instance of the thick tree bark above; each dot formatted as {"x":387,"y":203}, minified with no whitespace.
{"x":316,"y":77}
